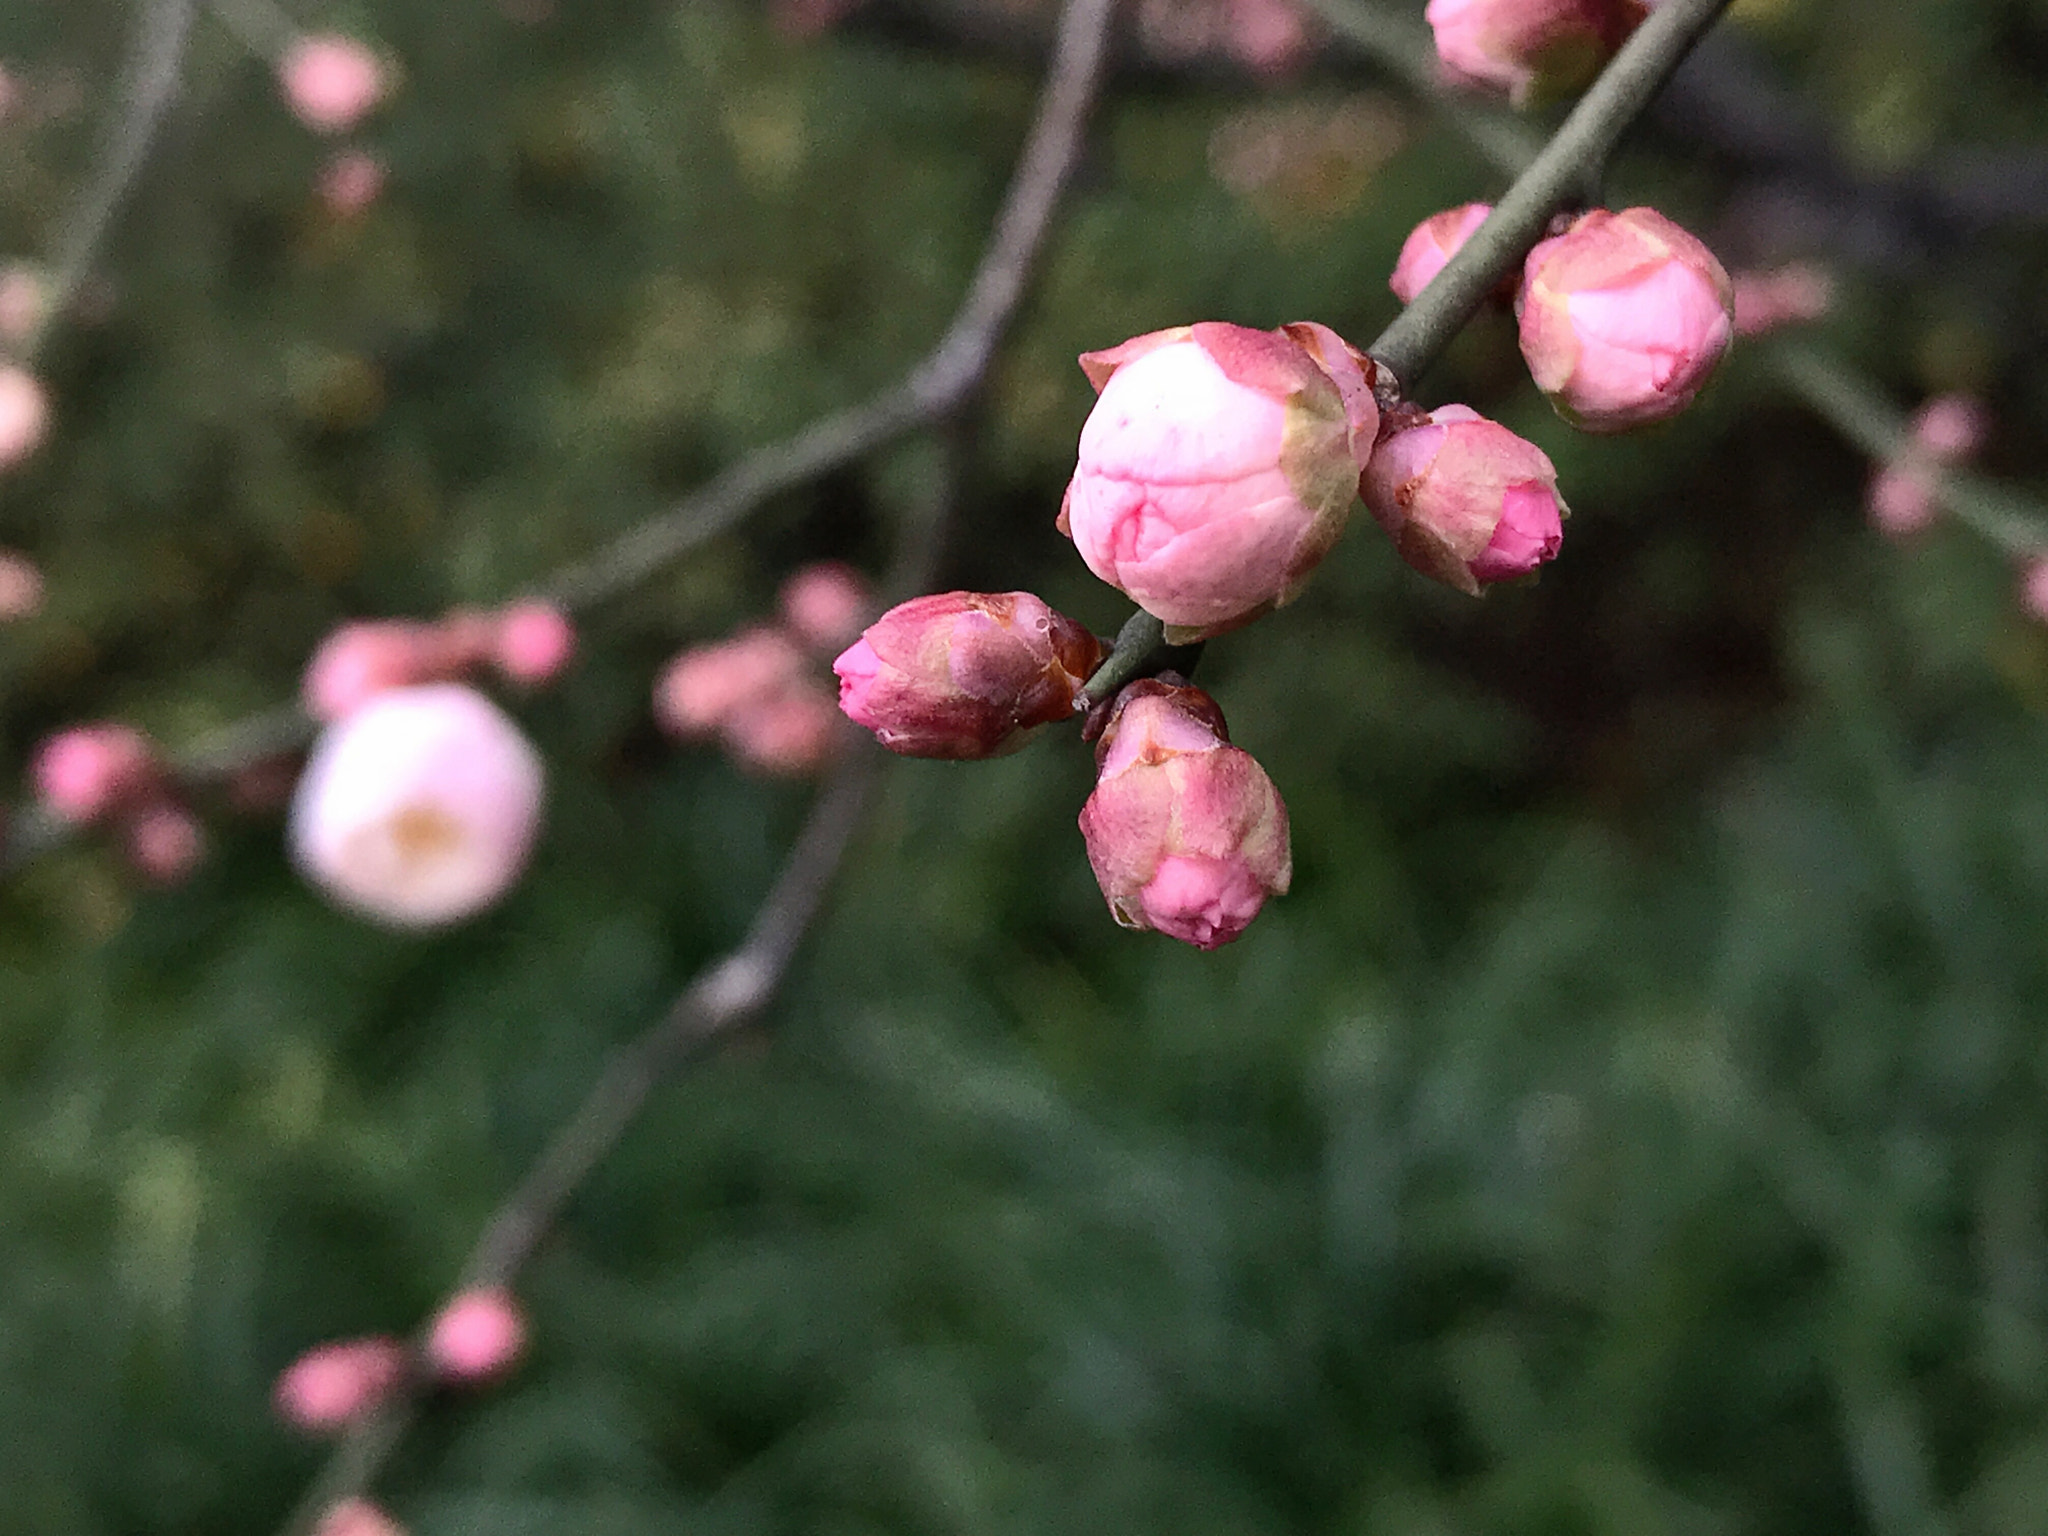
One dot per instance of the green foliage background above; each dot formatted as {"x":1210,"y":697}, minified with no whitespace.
{"x":1635,"y":1121}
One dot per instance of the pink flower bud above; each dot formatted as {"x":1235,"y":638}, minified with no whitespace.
{"x":707,"y":685}
{"x":1900,"y":499}
{"x":21,"y":587}
{"x":165,"y":842}
{"x":1531,"y":50}
{"x":788,"y":734}
{"x":363,"y":659}
{"x":24,"y":295}
{"x":478,"y":1335}
{"x":1466,"y":500}
{"x":24,"y":415}
{"x":1791,"y":295}
{"x":327,"y":1389}
{"x":825,"y":605}
{"x":418,"y":808}
{"x":330,"y":81}
{"x":1269,"y":37}
{"x":357,"y":1517}
{"x":2034,"y":588}
{"x":1431,"y":245}
{"x":350,"y":182}
{"x":91,"y":771}
{"x":964,"y":674}
{"x":1185,"y":832}
{"x":533,"y":643}
{"x":1623,"y":318}
{"x":1951,"y":427}
{"x":1218,"y":467}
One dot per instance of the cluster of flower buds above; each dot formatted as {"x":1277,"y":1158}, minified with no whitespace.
{"x":528,"y":643}
{"x":1530,"y":50}
{"x":109,"y":775}
{"x":761,"y":693}
{"x":1623,"y":316}
{"x":1945,"y":432}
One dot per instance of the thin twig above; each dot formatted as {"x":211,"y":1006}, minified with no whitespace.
{"x":148,"y":87}
{"x":737,"y":988}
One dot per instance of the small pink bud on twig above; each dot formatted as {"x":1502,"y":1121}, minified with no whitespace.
{"x":478,"y":1335}
{"x":1465,"y":500}
{"x":364,"y":658}
{"x":964,"y":675}
{"x":533,"y":643}
{"x":165,"y":842}
{"x":89,"y":772}
{"x":1186,"y":833}
{"x":1430,"y":247}
{"x":1529,"y":50}
{"x":1900,"y":499}
{"x":328,"y":1388}
{"x":1792,"y":295}
{"x":330,"y":82}
{"x":790,"y":734}
{"x":1218,"y":467}
{"x":1624,"y":317}
{"x":419,"y":808}
{"x":357,"y":1517}
{"x":1951,"y":427}
{"x":825,"y":604}
{"x":350,"y":182}
{"x":24,"y":415}
{"x":705,"y":686}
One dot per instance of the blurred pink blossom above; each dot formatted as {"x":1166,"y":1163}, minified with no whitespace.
{"x":357,"y":1517}
{"x":534,"y":642}
{"x":825,"y":604}
{"x":478,"y":1335}
{"x":2034,"y":588}
{"x":792,"y":733}
{"x":706,"y":685}
{"x":1790,"y":295}
{"x":331,"y":1386}
{"x":350,"y":182}
{"x":24,"y":414}
{"x":21,"y":587}
{"x":165,"y":842}
{"x":362,"y":659}
{"x":330,"y":81}
{"x":88,"y":772}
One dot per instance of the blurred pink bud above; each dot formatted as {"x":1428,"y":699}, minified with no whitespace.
{"x":964,"y":675}
{"x":1430,"y":246}
{"x":21,"y":587}
{"x":1900,"y":500}
{"x":1792,"y":295}
{"x":363,"y":659}
{"x":534,"y":642}
{"x":790,"y":733}
{"x":1268,"y":37}
{"x":2034,"y":588}
{"x":1466,"y":500}
{"x":330,"y":81}
{"x":1951,"y":427}
{"x":1531,"y":50}
{"x":825,"y":604}
{"x":419,"y":808}
{"x":478,"y":1335}
{"x":165,"y":842}
{"x":357,"y":1517}
{"x":1623,"y":318}
{"x":1218,"y":467}
{"x":350,"y":182}
{"x":1185,"y":832}
{"x":328,"y":1388}
{"x":707,"y":685}
{"x":24,"y":414}
{"x":90,"y":771}
{"x":23,"y":297}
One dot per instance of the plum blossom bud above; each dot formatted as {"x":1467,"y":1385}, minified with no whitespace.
{"x":350,"y":182}
{"x":1218,"y":467}
{"x":21,"y":587}
{"x":165,"y":842}
{"x":1623,"y":317}
{"x":1185,"y":832}
{"x":418,"y":808}
{"x":24,"y":414}
{"x":1951,"y":427}
{"x":1900,"y":499}
{"x":790,"y":733}
{"x":704,"y":687}
{"x":328,"y":1388}
{"x":964,"y":675}
{"x":533,"y":642}
{"x":330,"y":81}
{"x":363,"y":659}
{"x":1465,"y":500}
{"x":1532,"y":50}
{"x":825,"y":605}
{"x":1430,"y":246}
{"x":478,"y":1335}
{"x":2034,"y":588}
{"x":357,"y":1517}
{"x":88,"y":772}
{"x":1947,"y":430}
